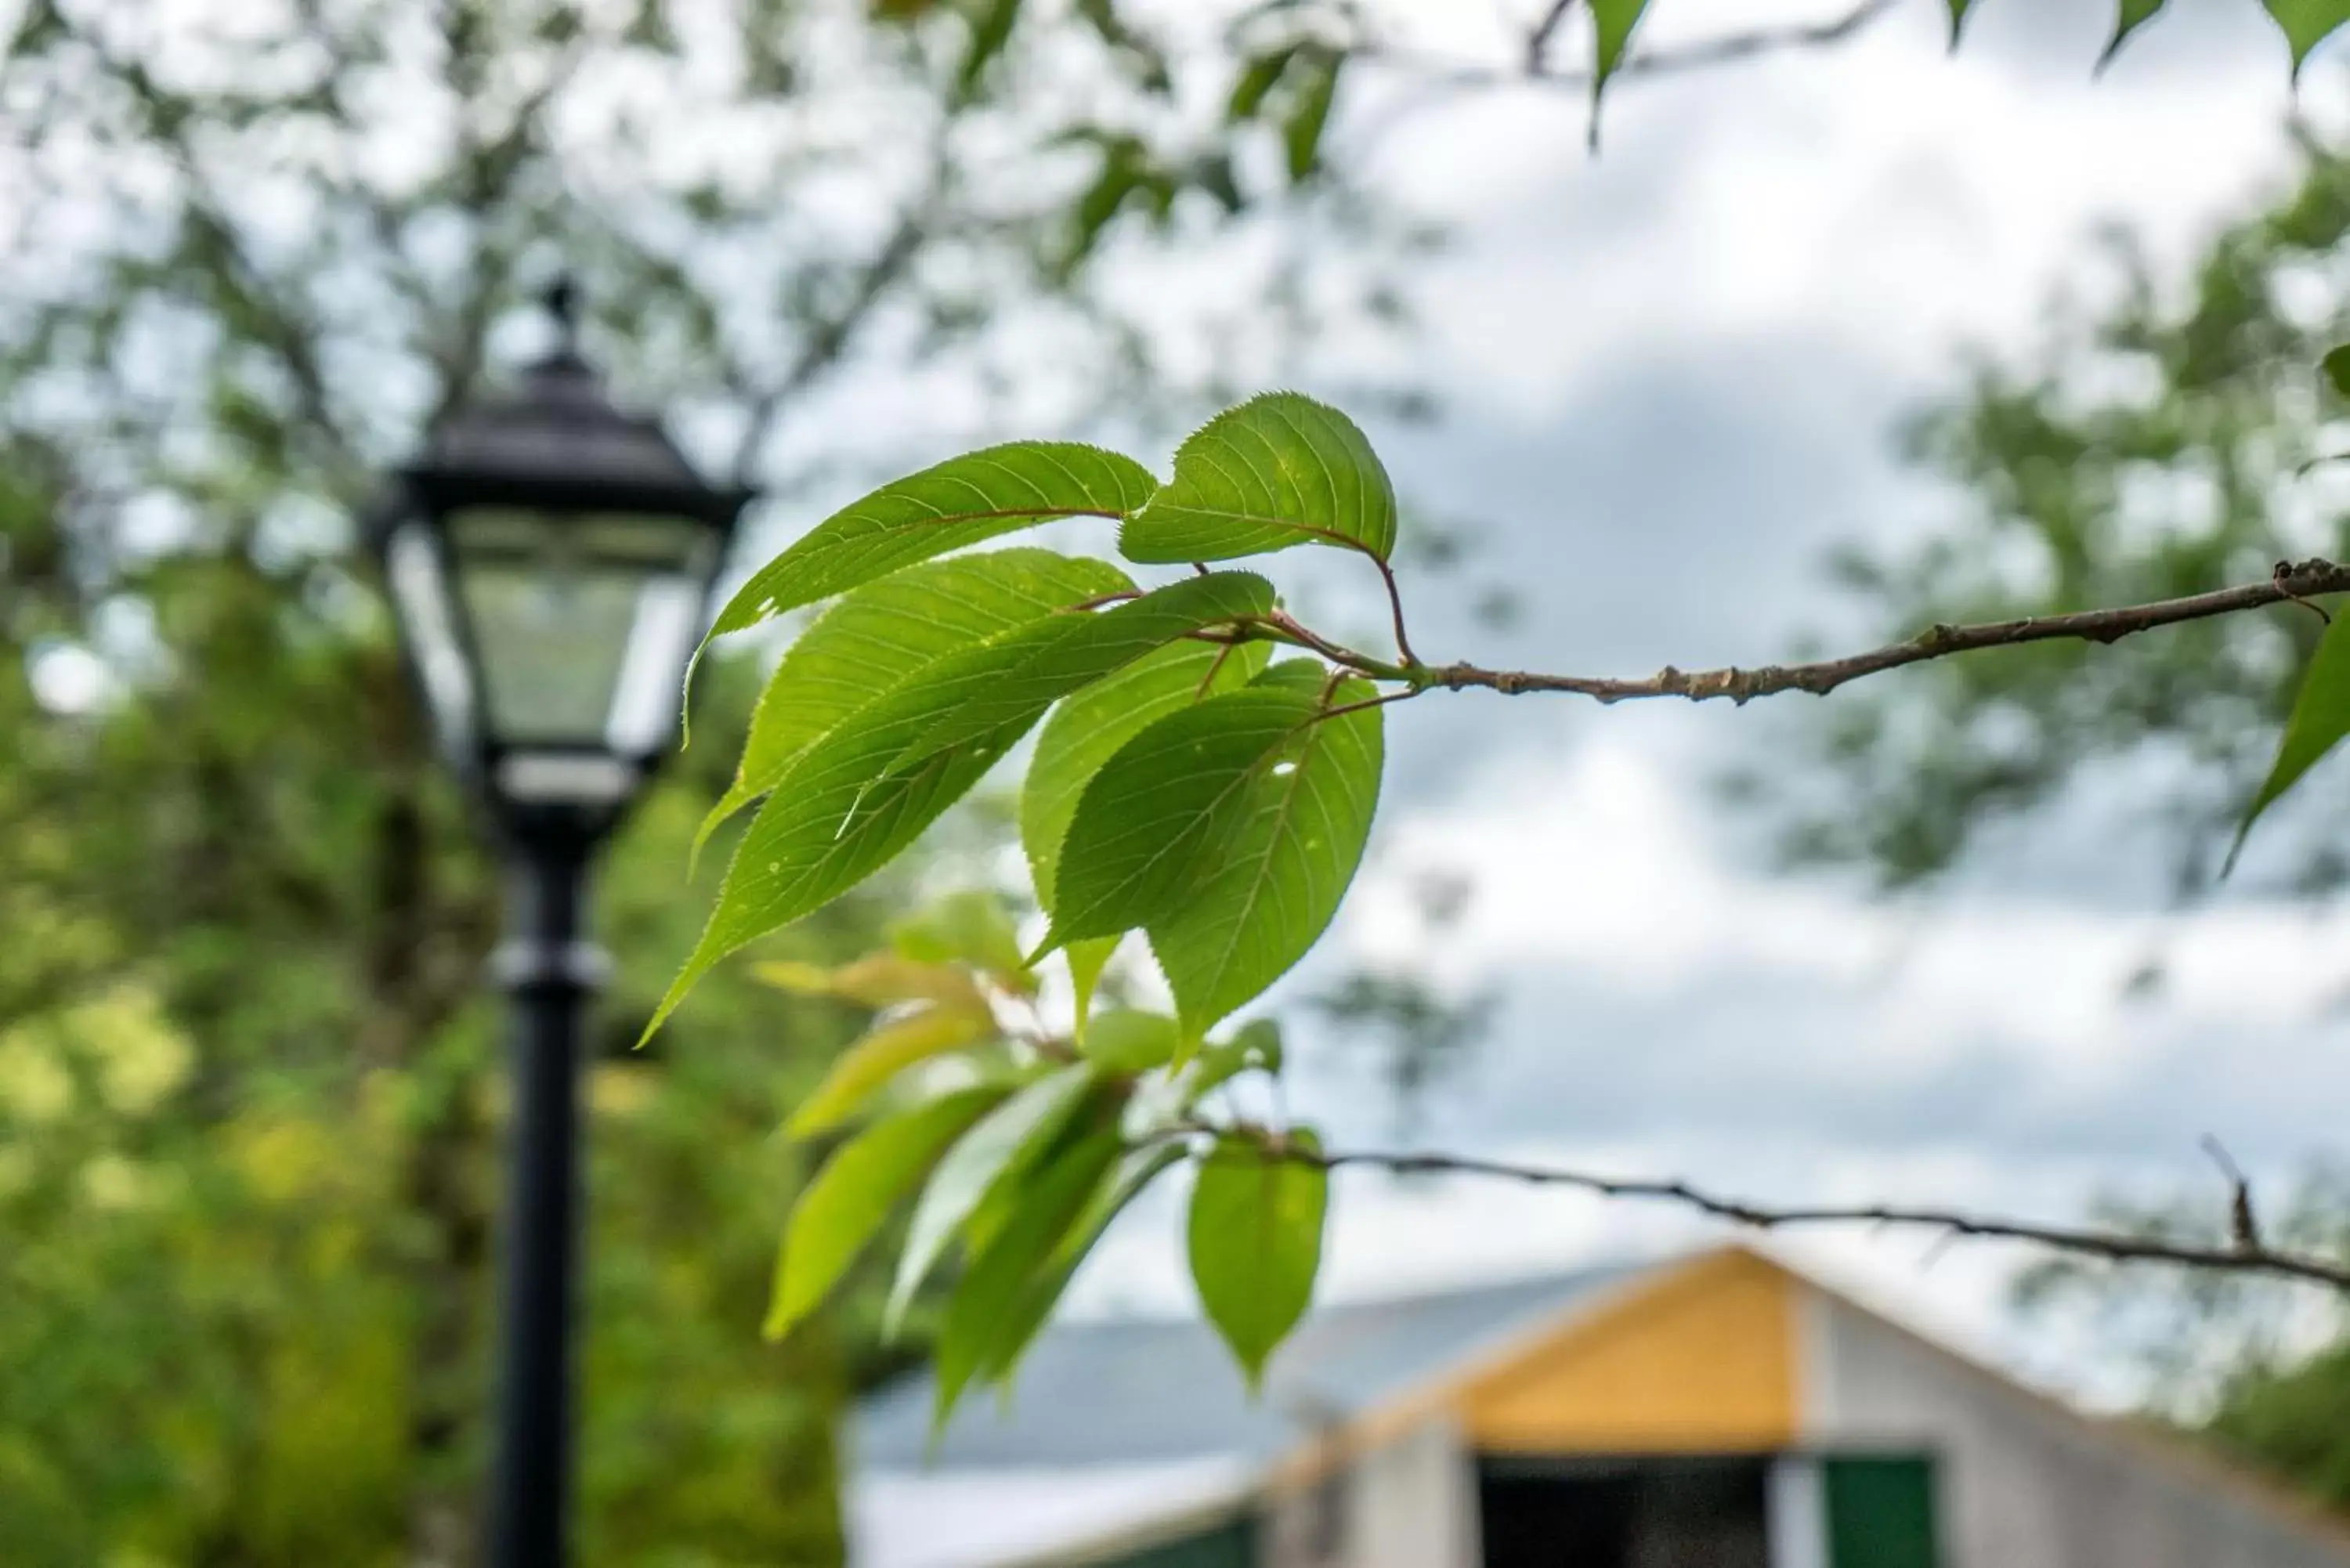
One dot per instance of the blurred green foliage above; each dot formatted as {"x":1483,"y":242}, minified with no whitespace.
{"x":2161,"y":445}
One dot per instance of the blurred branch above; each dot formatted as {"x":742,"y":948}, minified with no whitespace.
{"x":2289,"y":584}
{"x":2246,"y":1255}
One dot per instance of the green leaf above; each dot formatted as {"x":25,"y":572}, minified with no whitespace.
{"x":2129,"y":15}
{"x":1612,"y":21}
{"x":972,"y":927}
{"x":877,"y":979}
{"x":1256,"y":1236}
{"x":2319,"y":718}
{"x":2337,"y":367}
{"x":1958,"y":18}
{"x":1092,"y":646}
{"x":1309,"y":117}
{"x":1255,"y":1047}
{"x":1256,"y":79}
{"x":1278,"y":880}
{"x":1091,"y":724}
{"x":1088,"y":959}
{"x":1134,"y":1173}
{"x":878,"y":636}
{"x":1163,"y":807}
{"x":2306,"y":24}
{"x":960,"y":502}
{"x":991,"y":1153}
{"x":842,"y":810}
{"x":986,"y":1301}
{"x":1126,"y":1040}
{"x":881,"y":1054}
{"x":854,"y":1193}
{"x":990,"y":29}
{"x":1279,"y":470}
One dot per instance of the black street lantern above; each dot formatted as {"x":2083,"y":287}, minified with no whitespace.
{"x":550,"y":561}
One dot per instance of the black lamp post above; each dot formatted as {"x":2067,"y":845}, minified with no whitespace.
{"x":550,"y":561}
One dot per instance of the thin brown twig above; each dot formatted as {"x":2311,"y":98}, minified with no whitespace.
{"x":2290,"y":582}
{"x":2116,"y":1246}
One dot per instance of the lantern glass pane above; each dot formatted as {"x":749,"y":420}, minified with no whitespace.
{"x":560,"y":607}
{"x":420,"y":590}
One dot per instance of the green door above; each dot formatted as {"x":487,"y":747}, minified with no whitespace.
{"x":1231,"y":1545}
{"x":1880,"y":1513}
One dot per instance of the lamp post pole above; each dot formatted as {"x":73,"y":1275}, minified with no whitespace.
{"x":550,"y":973}
{"x":549,"y":561}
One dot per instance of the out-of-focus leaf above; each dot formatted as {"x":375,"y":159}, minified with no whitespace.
{"x":1309,"y":115}
{"x":882,"y":634}
{"x":1255,"y":1047}
{"x":1278,"y":879}
{"x":2306,"y":24}
{"x":1127,"y":1040}
{"x":881,"y":1054}
{"x":1255,"y":1234}
{"x":2337,"y":367}
{"x":854,"y":1193}
{"x":877,"y":979}
{"x":991,"y":30}
{"x":1257,"y":78}
{"x":1612,"y":21}
{"x":995,"y":1151}
{"x":971,"y":927}
{"x":2319,"y":718}
{"x":2129,"y":15}
{"x":1091,"y":724}
{"x":1136,"y":1171}
{"x":960,"y":502}
{"x":986,"y":1300}
{"x":1163,"y":809}
{"x":1277,"y":470}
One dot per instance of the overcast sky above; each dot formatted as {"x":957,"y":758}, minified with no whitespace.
{"x":1671,"y":373}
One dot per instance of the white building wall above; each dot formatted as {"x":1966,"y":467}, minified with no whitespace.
{"x":1409,"y":1503}
{"x":2022,"y":1482}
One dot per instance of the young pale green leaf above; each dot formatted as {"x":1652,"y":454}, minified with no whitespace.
{"x":2129,"y":15}
{"x":1092,"y":645}
{"x":987,"y":1299}
{"x":1279,"y":470}
{"x":1255,"y":1234}
{"x":1276,"y":880}
{"x":1091,"y":724}
{"x":841,"y":811}
{"x":885,"y":632}
{"x":854,"y":1193}
{"x":877,"y":979}
{"x":993,"y":1152}
{"x":1088,"y":959}
{"x":882,"y":1053}
{"x":1126,"y":1040}
{"x":1163,"y":808}
{"x":2319,"y":718}
{"x":1135,"y":1172}
{"x":960,"y":502}
{"x":972,"y":927}
{"x":2306,"y":24}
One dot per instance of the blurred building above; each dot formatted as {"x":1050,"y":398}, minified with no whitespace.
{"x":1718,"y":1411}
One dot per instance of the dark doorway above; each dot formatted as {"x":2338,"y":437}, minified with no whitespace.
{"x":1631,"y":1512}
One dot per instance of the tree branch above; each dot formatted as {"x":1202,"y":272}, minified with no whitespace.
{"x":2289,"y":584}
{"x":2246,"y":1255}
